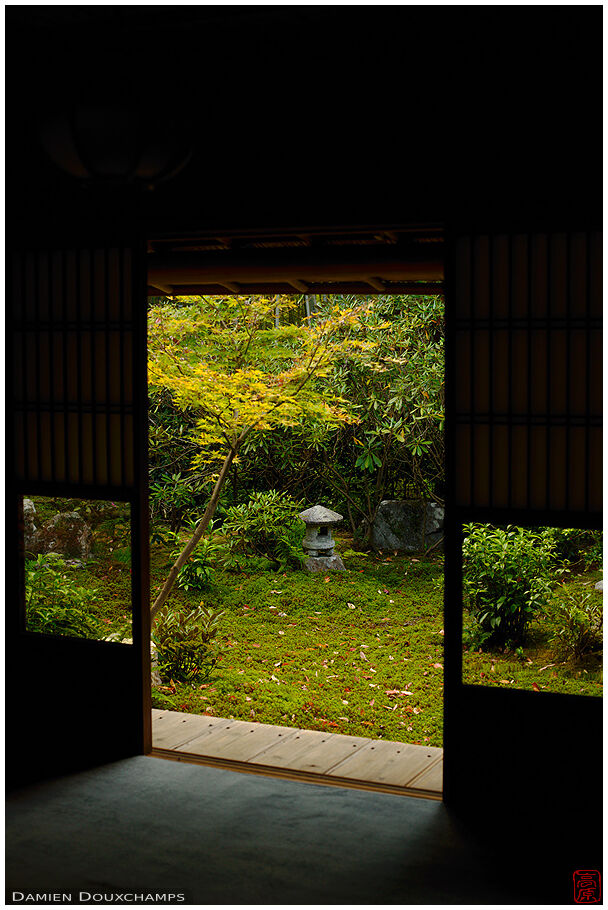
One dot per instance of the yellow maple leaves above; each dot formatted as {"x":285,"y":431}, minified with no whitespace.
{"x":226,"y":360}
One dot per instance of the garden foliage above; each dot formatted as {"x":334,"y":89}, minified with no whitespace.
{"x":578,"y":625}
{"x":186,"y":644}
{"x":54,"y":603}
{"x":195,"y":574}
{"x":227,"y":364}
{"x":508,"y":575}
{"x":345,"y":406}
{"x":267,"y":526}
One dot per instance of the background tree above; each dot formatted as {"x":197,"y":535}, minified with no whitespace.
{"x":395,"y":449}
{"x":226,"y":364}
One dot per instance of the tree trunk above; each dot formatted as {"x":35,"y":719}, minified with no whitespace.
{"x":198,"y":533}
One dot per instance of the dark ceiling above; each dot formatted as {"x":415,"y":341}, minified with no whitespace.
{"x":325,"y":115}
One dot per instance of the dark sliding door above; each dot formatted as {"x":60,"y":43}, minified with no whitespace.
{"x":76,"y":429}
{"x":524,"y":381}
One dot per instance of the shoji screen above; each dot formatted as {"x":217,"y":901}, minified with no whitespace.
{"x":524,"y":446}
{"x":73,"y":367}
{"x":77,"y":396}
{"x":527,"y":346}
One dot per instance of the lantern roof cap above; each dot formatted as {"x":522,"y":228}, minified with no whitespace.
{"x":319,"y":515}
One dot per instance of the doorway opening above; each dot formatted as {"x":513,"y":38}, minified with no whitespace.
{"x":325,"y":661}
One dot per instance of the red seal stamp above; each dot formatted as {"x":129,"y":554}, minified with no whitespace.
{"x":587,"y":886}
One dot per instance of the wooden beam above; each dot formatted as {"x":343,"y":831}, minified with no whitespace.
{"x":301,"y":264}
{"x":298,"y":285}
{"x":315,"y":287}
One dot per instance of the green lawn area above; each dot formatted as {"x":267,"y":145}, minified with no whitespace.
{"x":358,"y":652}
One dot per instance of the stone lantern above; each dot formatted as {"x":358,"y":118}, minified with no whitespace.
{"x":318,"y":544}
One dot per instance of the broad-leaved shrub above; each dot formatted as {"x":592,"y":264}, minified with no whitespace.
{"x":54,"y":603}
{"x":185,"y":643}
{"x":267,"y":526}
{"x":508,"y":575}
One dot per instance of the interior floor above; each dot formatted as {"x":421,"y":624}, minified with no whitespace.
{"x":145,"y":824}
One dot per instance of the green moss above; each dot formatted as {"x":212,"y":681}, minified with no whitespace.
{"x":336,"y":652}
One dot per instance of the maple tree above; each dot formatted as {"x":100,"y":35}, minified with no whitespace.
{"x":229,"y":361}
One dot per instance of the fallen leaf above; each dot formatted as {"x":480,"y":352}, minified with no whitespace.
{"x":535,"y":687}
{"x":350,"y":606}
{"x":281,"y":633}
{"x":438,"y":666}
{"x":372,"y":703}
{"x":326,"y":578}
{"x":344,"y":702}
{"x":363,"y":657}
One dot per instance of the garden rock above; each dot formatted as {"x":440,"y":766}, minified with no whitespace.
{"x":600,"y":586}
{"x":407,"y":525}
{"x":29,"y":528}
{"x":67,"y":534}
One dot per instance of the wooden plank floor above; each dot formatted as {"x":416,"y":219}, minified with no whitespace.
{"x":299,"y":754}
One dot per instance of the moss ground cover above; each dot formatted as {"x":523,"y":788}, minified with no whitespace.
{"x":359,"y":652}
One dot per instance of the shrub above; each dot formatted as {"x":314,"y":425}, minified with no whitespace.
{"x":576,"y":544}
{"x":172,"y":496}
{"x":185,"y":643}
{"x":195,"y":575}
{"x":578,"y":625}
{"x":594,"y":555}
{"x":507,"y":578}
{"x":55,"y":604}
{"x":266,"y":526}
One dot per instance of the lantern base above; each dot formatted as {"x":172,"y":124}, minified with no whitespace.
{"x":324,"y":564}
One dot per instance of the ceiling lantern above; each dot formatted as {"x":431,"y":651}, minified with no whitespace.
{"x":114,"y":143}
